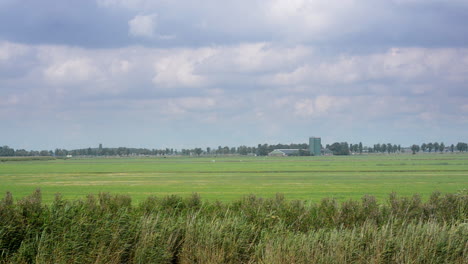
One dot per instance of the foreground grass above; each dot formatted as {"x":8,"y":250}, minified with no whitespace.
{"x":230,"y":178}
{"x":171,"y":229}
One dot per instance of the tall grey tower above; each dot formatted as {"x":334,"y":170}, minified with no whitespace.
{"x":315,"y":146}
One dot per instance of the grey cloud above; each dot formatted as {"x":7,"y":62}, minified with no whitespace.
{"x":338,"y":24}
{"x":334,"y":23}
{"x":76,"y":23}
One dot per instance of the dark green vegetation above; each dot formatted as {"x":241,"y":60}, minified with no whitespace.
{"x":172,"y":229}
{"x":28,"y":158}
{"x":230,"y":178}
{"x":337,"y":148}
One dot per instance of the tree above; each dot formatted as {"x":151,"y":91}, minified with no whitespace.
{"x":340,"y":148}
{"x":424,"y":147}
{"x":430,"y":146}
{"x":262,"y":150}
{"x":415,"y":148}
{"x":452,"y":147}
{"x":436,"y":146}
{"x":360,"y":147}
{"x":7,"y":151}
{"x":21,"y":152}
{"x":44,"y":153}
{"x":462,"y":146}
{"x":198,"y":151}
{"x":225,"y":150}
{"x":243,"y":150}
{"x":389,"y":148}
{"x":383,"y":148}
{"x":441,"y":147}
{"x":377,"y":148}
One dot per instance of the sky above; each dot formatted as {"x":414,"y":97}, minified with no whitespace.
{"x":204,"y":73}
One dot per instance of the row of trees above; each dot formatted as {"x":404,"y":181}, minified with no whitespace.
{"x":337,"y":148}
{"x":429,"y":147}
{"x":260,"y":150}
{"x":342,"y":148}
{"x":382,"y":148}
{"x":435,"y":146}
{"x":6,"y":151}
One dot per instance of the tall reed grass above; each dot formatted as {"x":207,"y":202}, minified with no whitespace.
{"x":109,"y":229}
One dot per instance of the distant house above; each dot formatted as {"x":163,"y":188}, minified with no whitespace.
{"x":284,"y":152}
{"x":327,"y":152}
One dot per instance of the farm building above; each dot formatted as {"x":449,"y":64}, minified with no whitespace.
{"x":284,"y":152}
{"x":315,"y":146}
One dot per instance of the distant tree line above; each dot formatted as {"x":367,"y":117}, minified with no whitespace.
{"x":6,"y":151}
{"x":337,"y":148}
{"x":439,"y":147}
{"x":436,"y":147}
{"x":260,"y":150}
{"x":385,"y":148}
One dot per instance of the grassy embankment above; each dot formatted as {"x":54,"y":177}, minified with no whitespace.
{"x":230,"y":178}
{"x":109,"y":229}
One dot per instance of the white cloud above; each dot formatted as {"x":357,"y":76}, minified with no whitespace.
{"x":71,"y":70}
{"x":400,"y":64}
{"x":192,"y":103}
{"x":320,"y":106}
{"x":10,"y":50}
{"x":427,"y":116}
{"x":312,"y":15}
{"x":143,"y":26}
{"x":304,"y":107}
{"x":179,"y":69}
{"x":254,"y":57}
{"x":315,"y":19}
{"x":119,"y":67}
{"x":229,"y":83}
{"x":171,"y":72}
{"x":183,"y":107}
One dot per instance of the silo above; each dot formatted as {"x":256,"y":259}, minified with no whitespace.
{"x":315,"y":146}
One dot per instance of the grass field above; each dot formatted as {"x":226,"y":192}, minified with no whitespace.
{"x":230,"y":178}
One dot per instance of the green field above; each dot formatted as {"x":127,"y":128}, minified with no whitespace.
{"x":230,"y":178}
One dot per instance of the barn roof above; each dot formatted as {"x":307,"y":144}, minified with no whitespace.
{"x":285,"y":151}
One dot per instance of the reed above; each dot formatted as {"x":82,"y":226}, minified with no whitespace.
{"x":108,"y":228}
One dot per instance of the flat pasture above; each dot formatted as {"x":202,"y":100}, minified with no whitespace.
{"x":230,"y":178}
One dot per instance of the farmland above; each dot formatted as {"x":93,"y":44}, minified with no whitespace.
{"x":145,"y":210}
{"x":230,"y":178}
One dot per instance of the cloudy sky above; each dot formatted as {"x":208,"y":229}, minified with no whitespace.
{"x":199,"y":73}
